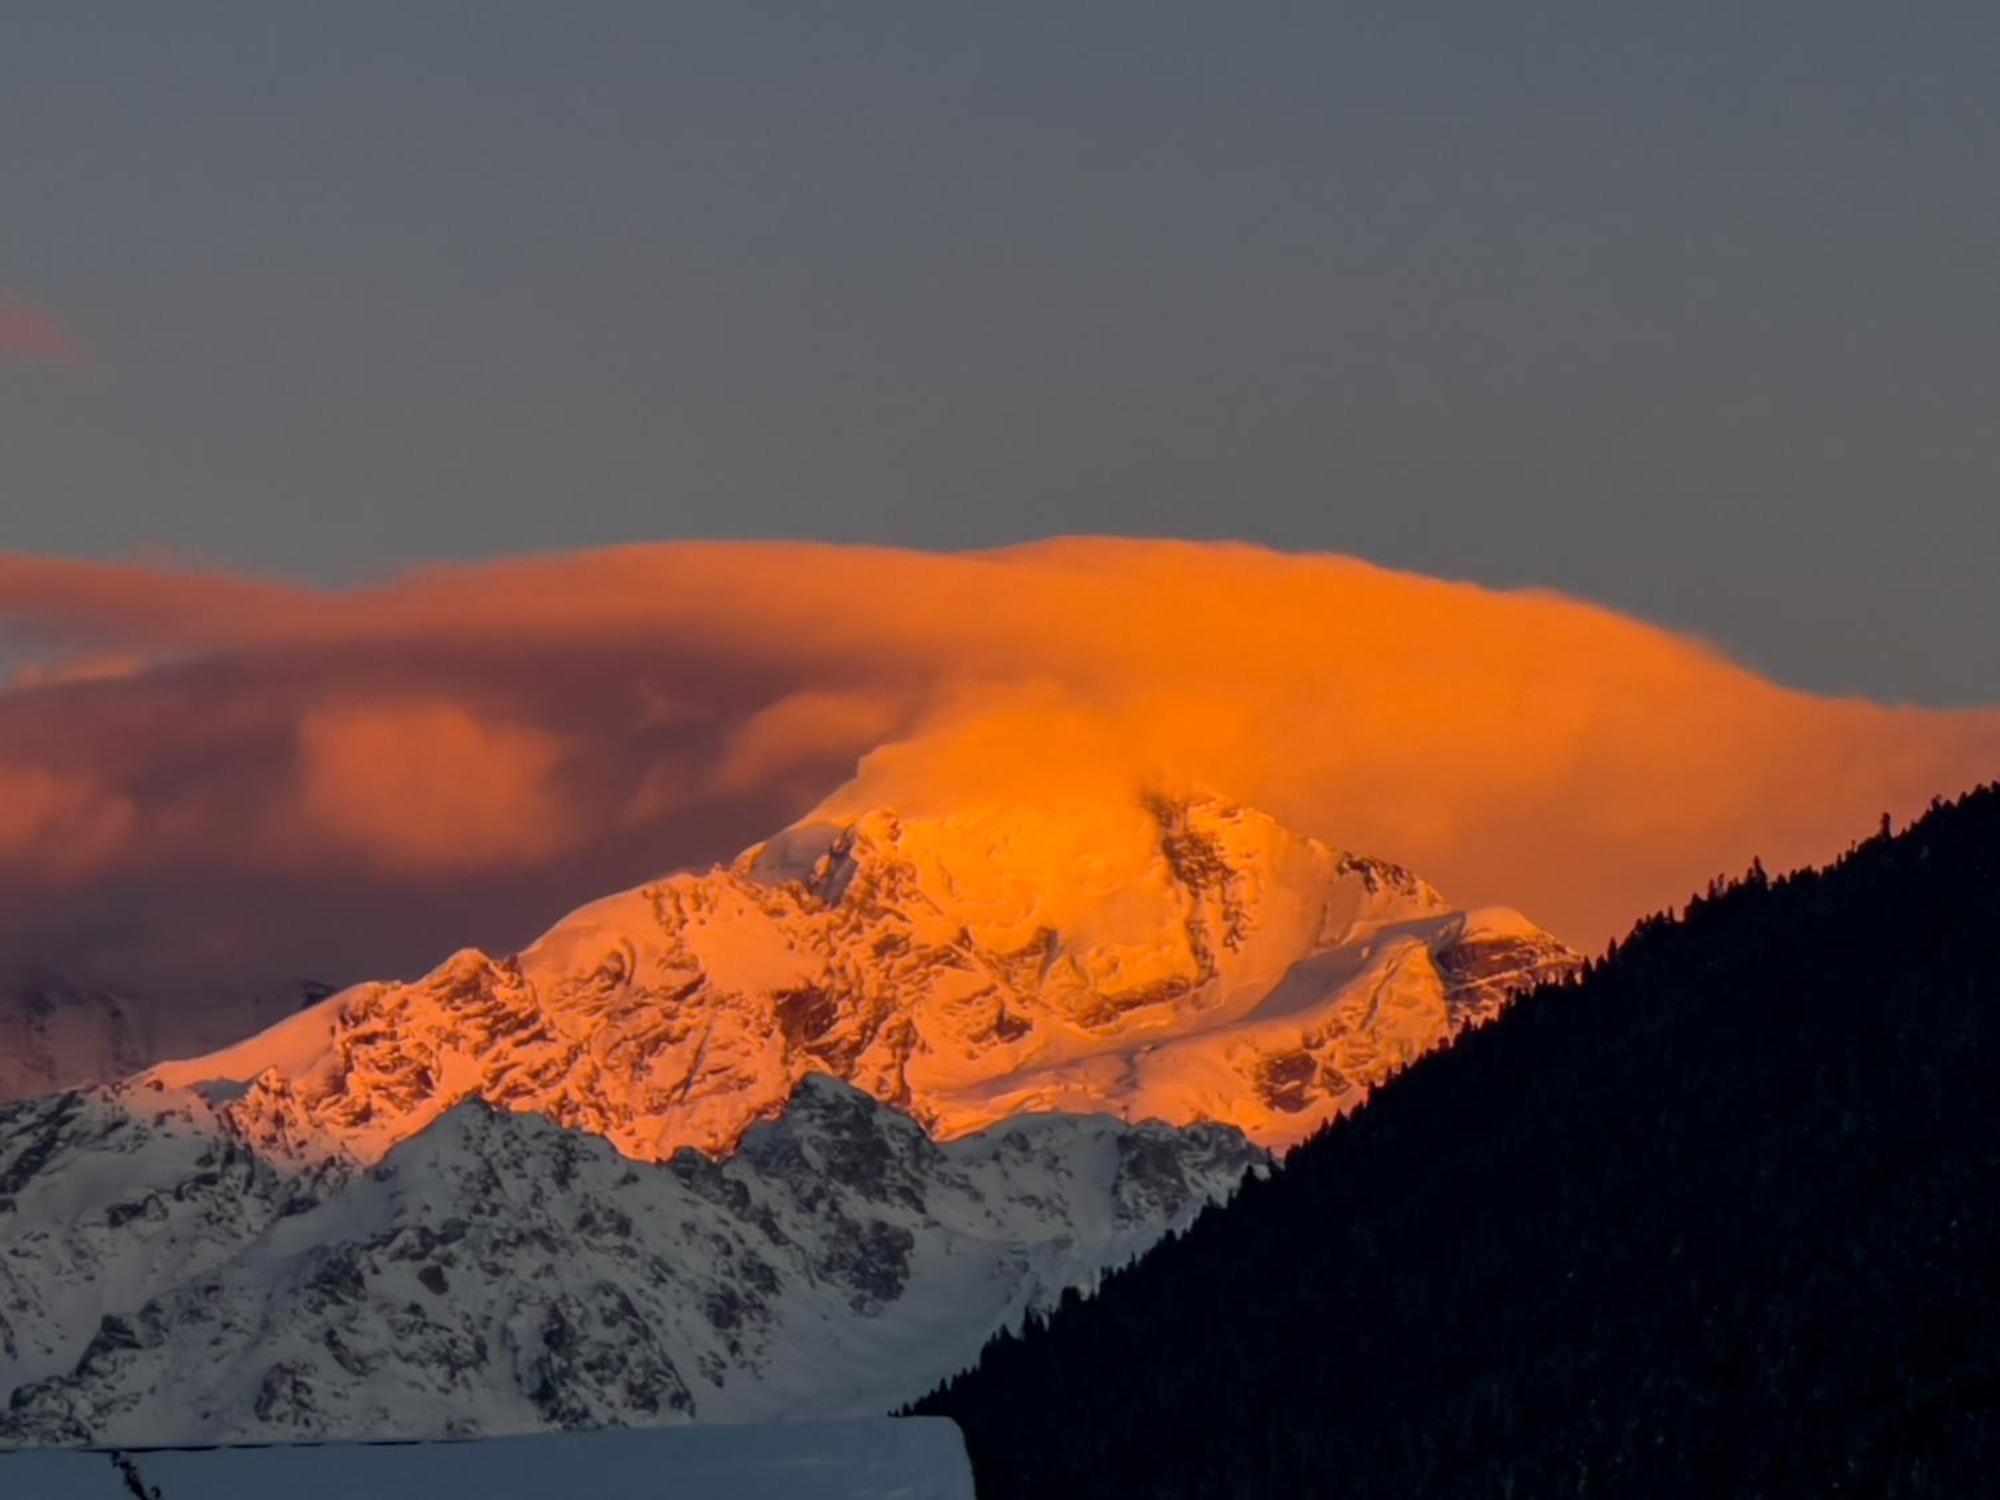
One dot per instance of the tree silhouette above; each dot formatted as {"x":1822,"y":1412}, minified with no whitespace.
{"x":1718,"y":1218}
{"x":135,"y":1483}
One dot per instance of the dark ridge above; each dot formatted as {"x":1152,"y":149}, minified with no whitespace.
{"x":1717,"y":1218}
{"x":129,"y":1475}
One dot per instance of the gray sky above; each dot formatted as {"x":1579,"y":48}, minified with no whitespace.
{"x":1691,"y":309}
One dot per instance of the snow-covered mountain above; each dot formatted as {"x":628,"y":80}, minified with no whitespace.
{"x":161,"y":1284}
{"x":791,"y":1136}
{"x":1182,"y":959}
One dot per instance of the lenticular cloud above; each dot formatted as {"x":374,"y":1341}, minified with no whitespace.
{"x":281,"y":781}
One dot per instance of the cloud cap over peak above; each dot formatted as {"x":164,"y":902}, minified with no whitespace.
{"x":288,"y":781}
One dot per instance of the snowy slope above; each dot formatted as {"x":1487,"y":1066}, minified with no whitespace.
{"x":1180,"y":959}
{"x":790,"y":1136}
{"x":920,"y":1458}
{"x":498,"y":1273}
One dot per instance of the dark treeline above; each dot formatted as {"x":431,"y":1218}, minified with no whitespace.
{"x":1716,"y":1220}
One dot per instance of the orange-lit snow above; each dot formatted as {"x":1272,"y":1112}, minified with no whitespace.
{"x":1173,"y":958}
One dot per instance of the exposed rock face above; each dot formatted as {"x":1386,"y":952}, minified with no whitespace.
{"x":1185,"y":960}
{"x":792,"y":1136}
{"x":160,"y":1284}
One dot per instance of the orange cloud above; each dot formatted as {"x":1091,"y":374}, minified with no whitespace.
{"x":796,"y":730}
{"x":495,"y":742}
{"x":430,"y":787}
{"x":85,"y":667}
{"x":30,"y":333}
{"x":63,"y":824}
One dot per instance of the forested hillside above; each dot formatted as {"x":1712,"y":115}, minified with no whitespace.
{"x":1716,"y":1219}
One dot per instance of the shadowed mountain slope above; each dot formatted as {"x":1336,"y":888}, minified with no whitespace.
{"x":161,"y":1284}
{"x":1717,"y":1219}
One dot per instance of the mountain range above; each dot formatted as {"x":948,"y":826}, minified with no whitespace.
{"x":791,"y":1136}
{"x":1179,"y":959}
{"x":498,"y":1273}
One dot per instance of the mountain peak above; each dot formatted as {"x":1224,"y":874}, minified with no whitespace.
{"x":1178,"y":957}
